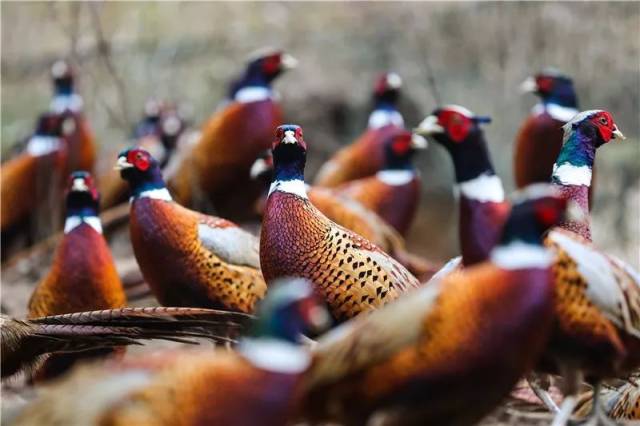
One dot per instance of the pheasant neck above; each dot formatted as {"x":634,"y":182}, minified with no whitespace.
{"x":521,"y":255}
{"x":150,"y":186}
{"x":289,"y":163}
{"x":572,"y":175}
{"x":471,"y":158}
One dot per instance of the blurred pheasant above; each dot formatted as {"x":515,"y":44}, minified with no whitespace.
{"x":188,"y":258}
{"x":597,"y":308}
{"x":394,"y":191}
{"x":25,"y":342}
{"x":351,"y":273}
{"x":258,"y":384}
{"x":68,"y":103}
{"x":159,"y":135}
{"x":34,"y":171}
{"x":539,"y":139}
{"x":83,"y":275}
{"x":365,"y":156}
{"x":483,"y":209}
{"x":218,"y":167}
{"x":412,"y":361}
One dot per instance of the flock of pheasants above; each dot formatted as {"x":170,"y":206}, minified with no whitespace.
{"x":413,"y":342}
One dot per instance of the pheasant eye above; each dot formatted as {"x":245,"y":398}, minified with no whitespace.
{"x":603,"y":120}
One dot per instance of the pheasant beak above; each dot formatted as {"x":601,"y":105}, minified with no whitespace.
{"x":259,"y":166}
{"x":617,"y":134}
{"x":529,"y":85}
{"x":288,"y":62}
{"x":289,"y":138}
{"x":429,"y":126}
{"x":418,"y":142}
{"x":79,"y":185}
{"x":122,"y":164}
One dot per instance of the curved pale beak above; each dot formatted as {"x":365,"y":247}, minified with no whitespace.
{"x":258,"y":167}
{"x":418,"y":142}
{"x":429,"y":126}
{"x":617,"y":134}
{"x":289,"y":138}
{"x":122,"y":164}
{"x":288,"y":62}
{"x":394,"y":81}
{"x":79,"y":185}
{"x":529,"y":85}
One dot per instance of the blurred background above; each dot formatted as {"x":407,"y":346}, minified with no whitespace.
{"x":476,"y":53}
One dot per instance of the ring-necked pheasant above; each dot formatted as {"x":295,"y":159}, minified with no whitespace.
{"x":366,"y":155}
{"x":188,"y":258}
{"x":83,"y":275}
{"x":218,"y":167}
{"x":539,"y":139}
{"x":394,"y":191}
{"x":351,"y":273}
{"x":26,"y":341}
{"x":414,"y":360}
{"x":597,"y":308}
{"x":68,"y":103}
{"x":354,"y":216}
{"x":483,"y":208}
{"x":258,"y":384}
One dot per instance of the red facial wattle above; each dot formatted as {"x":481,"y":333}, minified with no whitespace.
{"x":271,"y":64}
{"x":545,"y":84}
{"x":139,"y":159}
{"x":457,"y":125}
{"x":604,"y":123}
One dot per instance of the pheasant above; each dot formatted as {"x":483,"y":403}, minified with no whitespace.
{"x":159,"y":136}
{"x":539,"y":139}
{"x":352,"y":215}
{"x":394,"y":191}
{"x":366,"y":155}
{"x":188,"y":258}
{"x":69,"y":104}
{"x":350,"y":272}
{"x":32,"y":172}
{"x":597,"y":308}
{"x":483,"y":209}
{"x":83,"y":275}
{"x":414,"y":360}
{"x":218,"y":166}
{"x":25,"y":342}
{"x":258,"y":384}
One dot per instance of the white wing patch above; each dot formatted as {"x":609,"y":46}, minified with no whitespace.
{"x":233,"y":245}
{"x":603,"y":285}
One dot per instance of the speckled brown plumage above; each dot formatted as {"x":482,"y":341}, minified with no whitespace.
{"x":396,"y":204}
{"x":364,"y":157}
{"x":351,"y":273}
{"x":417,"y":356}
{"x":182,"y":270}
{"x":590,"y":332}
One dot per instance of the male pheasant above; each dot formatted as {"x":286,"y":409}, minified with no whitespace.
{"x":539,"y":139}
{"x":394,"y":191}
{"x":366,"y":155}
{"x":83,"y":276}
{"x":597,"y":308}
{"x":256,"y":385}
{"x":218,"y":167}
{"x":188,"y":258}
{"x":352,"y":215}
{"x":483,"y":208}
{"x":351,"y":273}
{"x":415,"y":361}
